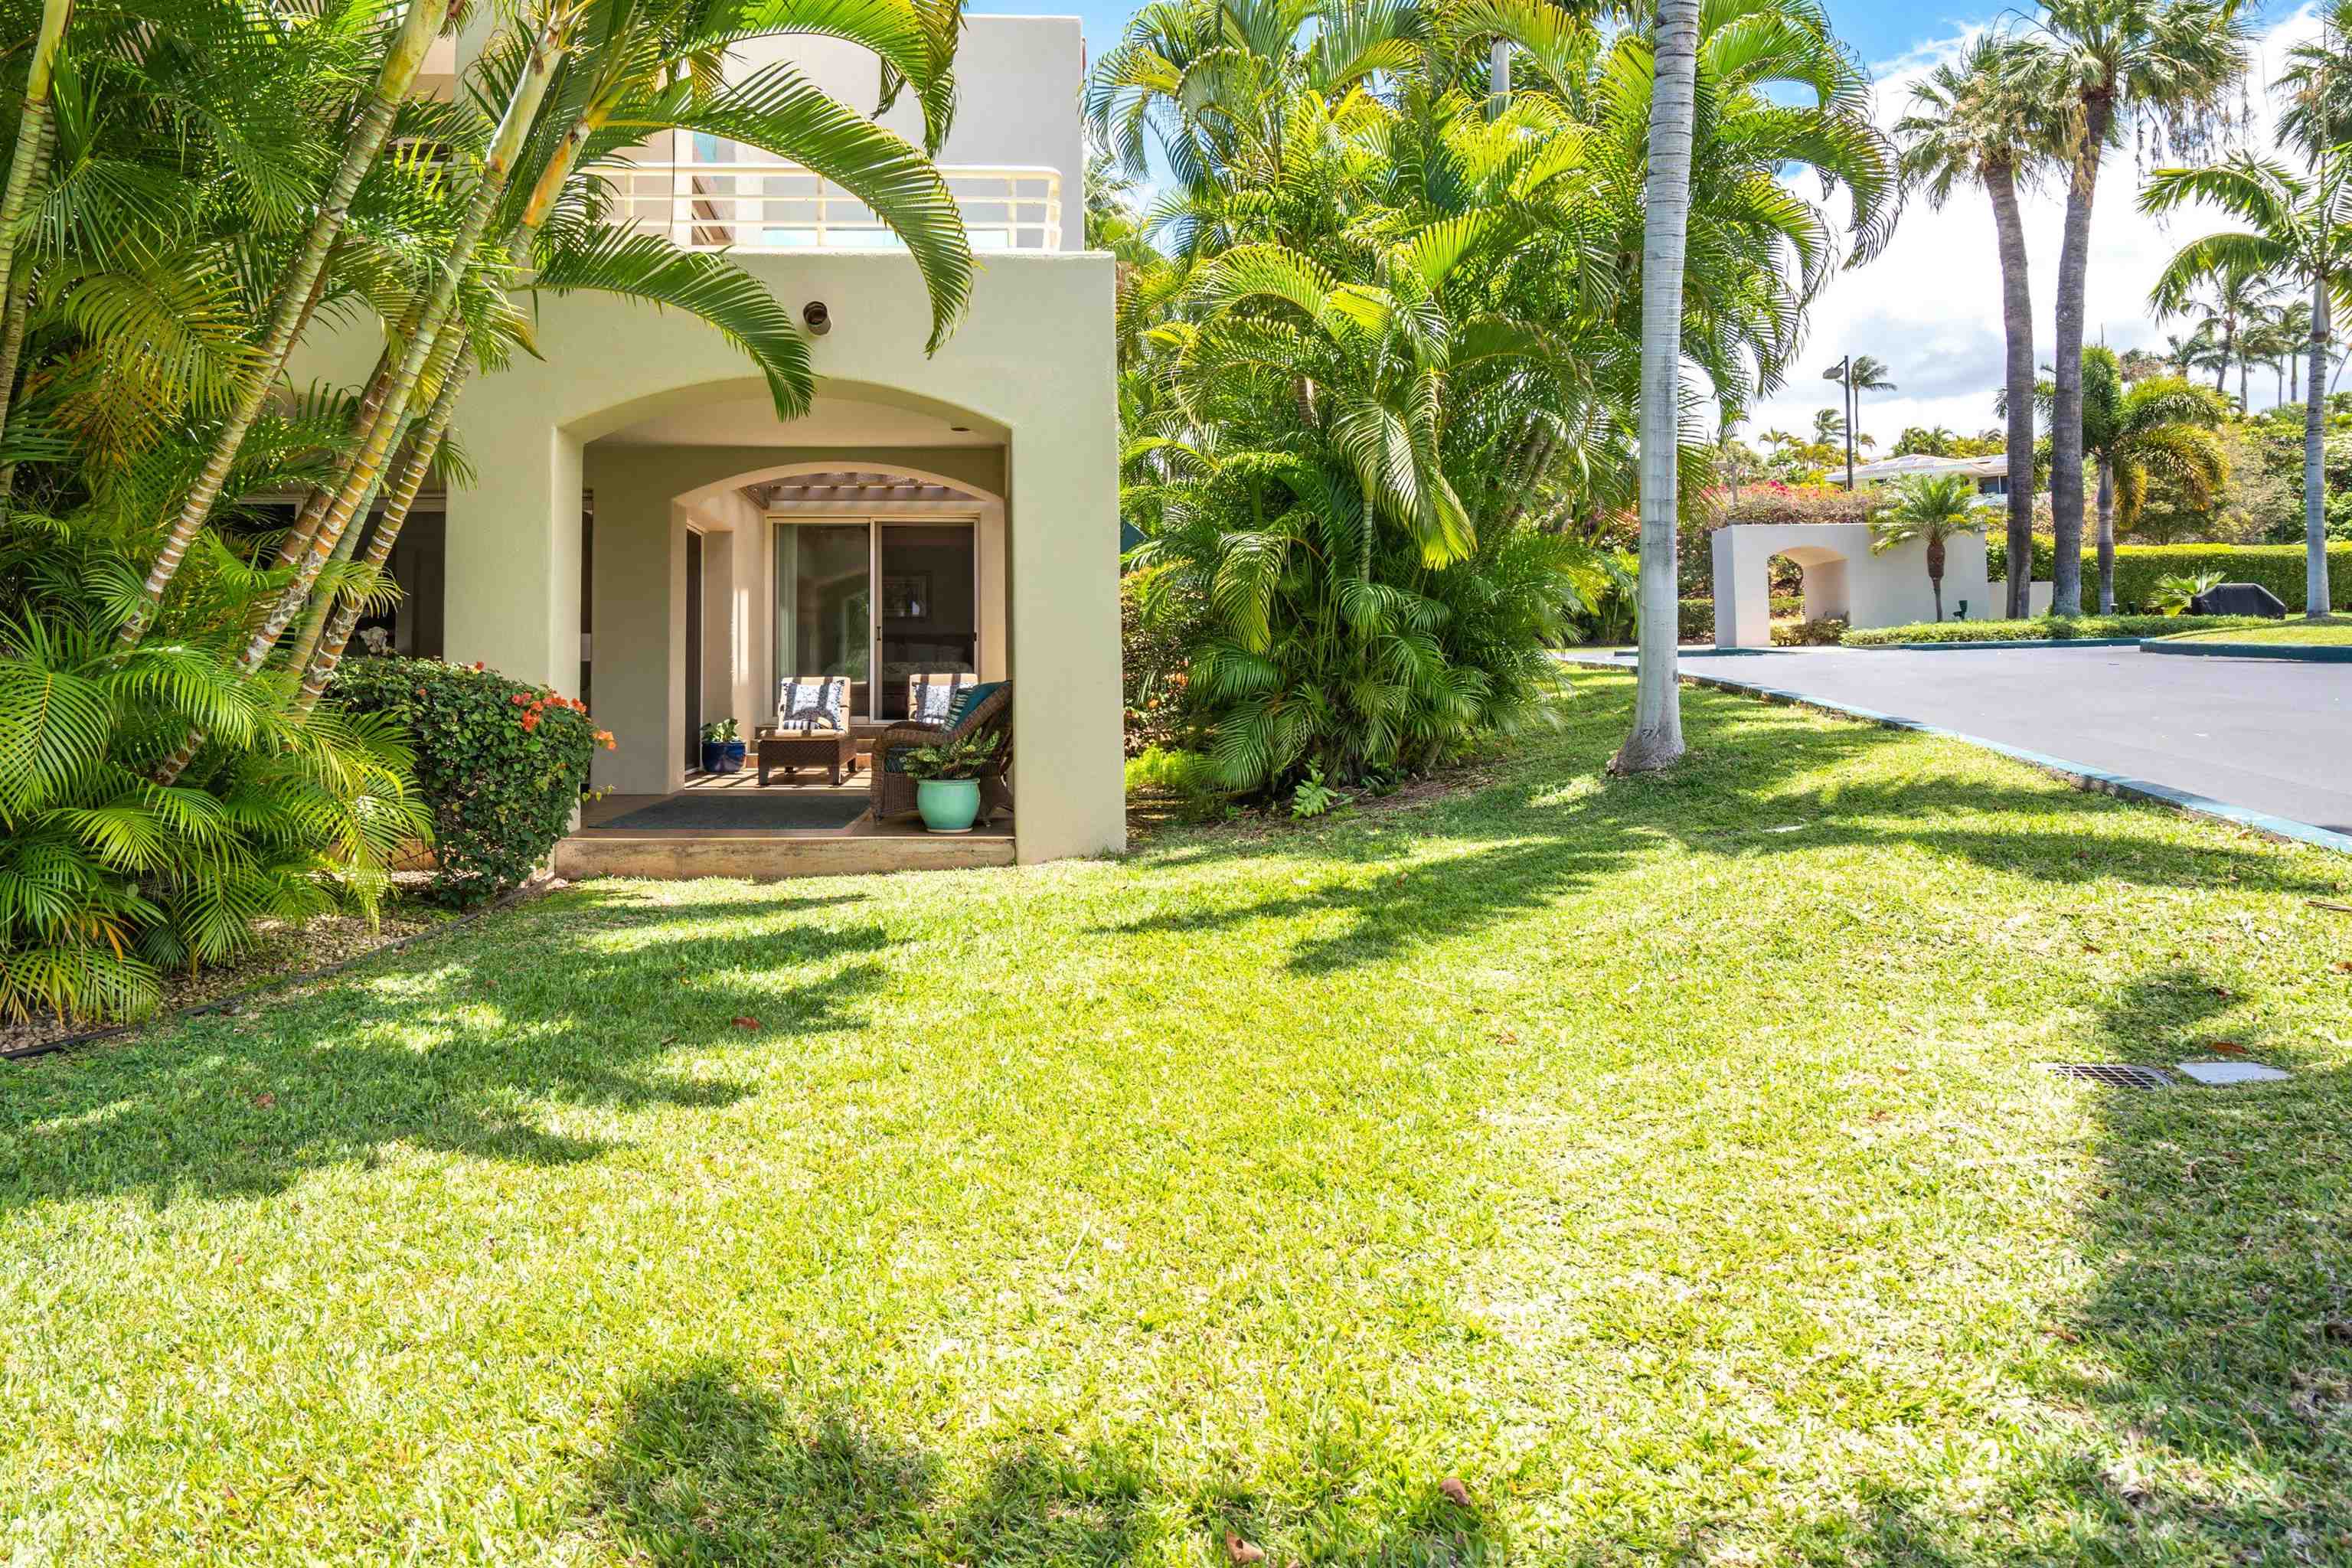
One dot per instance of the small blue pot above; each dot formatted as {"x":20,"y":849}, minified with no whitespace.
{"x":949,"y":805}
{"x":722,"y":757}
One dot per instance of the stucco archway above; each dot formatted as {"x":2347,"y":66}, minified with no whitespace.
{"x":677,"y":477}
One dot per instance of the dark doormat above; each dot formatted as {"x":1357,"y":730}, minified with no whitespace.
{"x":778,"y":812}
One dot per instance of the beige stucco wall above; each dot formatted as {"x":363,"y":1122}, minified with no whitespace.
{"x":1032,"y":365}
{"x":1842,"y":578}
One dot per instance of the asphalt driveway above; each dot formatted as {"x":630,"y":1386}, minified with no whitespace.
{"x":2263,"y":736}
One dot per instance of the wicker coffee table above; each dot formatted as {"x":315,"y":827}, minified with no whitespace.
{"x":836,"y":753}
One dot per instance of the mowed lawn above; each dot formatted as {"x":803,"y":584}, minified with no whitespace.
{"x":1667,"y":1161}
{"x":2334,"y":629}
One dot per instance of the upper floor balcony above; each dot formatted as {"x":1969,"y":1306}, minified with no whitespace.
{"x":726,"y":197}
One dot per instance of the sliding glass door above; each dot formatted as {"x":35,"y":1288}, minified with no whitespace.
{"x":928,"y":617}
{"x":824,"y":603}
{"x":845,"y":587}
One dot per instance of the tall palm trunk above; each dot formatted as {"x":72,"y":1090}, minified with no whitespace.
{"x":2066,"y":401}
{"x":1657,"y":738}
{"x":320,"y":666}
{"x":2107,"y":537}
{"x":1935,"y":571}
{"x":365,"y":471}
{"x":34,"y":141}
{"x":402,"y":62}
{"x":454,"y":370}
{"x":2222,"y":364}
{"x":2017,"y":331}
{"x":2315,"y":598}
{"x":37,"y":141}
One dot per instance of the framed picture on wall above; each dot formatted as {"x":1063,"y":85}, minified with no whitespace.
{"x":906,"y":596}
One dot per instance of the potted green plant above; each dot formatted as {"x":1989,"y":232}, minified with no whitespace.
{"x":946,"y":780}
{"x":723,"y":747}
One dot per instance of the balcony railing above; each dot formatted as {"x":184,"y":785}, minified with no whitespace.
{"x":774,"y":208}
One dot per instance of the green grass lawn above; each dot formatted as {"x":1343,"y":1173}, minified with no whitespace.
{"x":1665,"y":1159}
{"x":2295,"y":629}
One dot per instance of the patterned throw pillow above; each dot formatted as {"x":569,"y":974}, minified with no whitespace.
{"x":811,"y":704}
{"x":931,"y":696}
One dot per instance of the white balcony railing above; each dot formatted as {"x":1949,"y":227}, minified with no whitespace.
{"x":763,"y":207}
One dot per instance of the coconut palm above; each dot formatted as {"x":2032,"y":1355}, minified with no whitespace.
{"x":2229,"y":305}
{"x":2162,"y":425}
{"x":2298,"y":227}
{"x":2166,"y":68}
{"x":1933,"y":507}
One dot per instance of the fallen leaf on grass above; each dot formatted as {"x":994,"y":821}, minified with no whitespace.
{"x":1455,"y":1492}
{"x":265,"y":1100}
{"x":2342,"y":967}
{"x":2337,"y":1330}
{"x":2227,"y":1048}
{"x":747,"y":1023}
{"x":1240,"y":1551}
{"x":2329,"y":904}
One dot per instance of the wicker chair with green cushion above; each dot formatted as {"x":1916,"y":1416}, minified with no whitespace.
{"x":978,"y":711}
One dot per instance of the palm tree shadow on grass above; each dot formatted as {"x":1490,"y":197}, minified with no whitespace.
{"x":710,"y":1467}
{"x":1533,"y":839}
{"x":452,"y":1044}
{"x":2211,"y":1359}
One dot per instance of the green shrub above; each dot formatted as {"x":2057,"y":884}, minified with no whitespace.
{"x":2141,"y":568}
{"x":108,"y":880}
{"x":2048,"y":628}
{"x":1826,"y":632}
{"x":501,"y":764}
{"x":1153,"y":667}
{"x":1187,"y":777}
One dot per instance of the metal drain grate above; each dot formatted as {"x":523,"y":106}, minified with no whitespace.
{"x":2113,"y":1075}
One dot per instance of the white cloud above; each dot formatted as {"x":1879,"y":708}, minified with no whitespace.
{"x":1930,"y":304}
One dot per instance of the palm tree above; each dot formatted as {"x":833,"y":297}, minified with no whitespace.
{"x":2162,"y":425}
{"x":2197,"y":353}
{"x":2167,"y":65}
{"x":2299,"y":226}
{"x":2230,"y":305}
{"x":2291,"y":327}
{"x":1829,"y":427}
{"x":1656,"y":741}
{"x":1777,"y":439}
{"x":1983,"y":123}
{"x":1933,"y":507}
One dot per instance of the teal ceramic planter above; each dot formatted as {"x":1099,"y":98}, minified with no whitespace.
{"x":949,"y":805}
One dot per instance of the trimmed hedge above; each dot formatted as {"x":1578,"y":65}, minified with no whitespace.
{"x":501,"y":764}
{"x":2278,"y":567}
{"x":2048,"y":628}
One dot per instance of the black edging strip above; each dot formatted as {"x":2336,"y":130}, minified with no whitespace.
{"x":505,"y":901}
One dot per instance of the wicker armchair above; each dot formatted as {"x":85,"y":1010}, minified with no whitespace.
{"x":894,"y":792}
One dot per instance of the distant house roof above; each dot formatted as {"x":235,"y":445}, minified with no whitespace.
{"x":1992,"y":467}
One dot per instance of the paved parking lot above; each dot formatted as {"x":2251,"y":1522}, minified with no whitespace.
{"x":2260,"y":735}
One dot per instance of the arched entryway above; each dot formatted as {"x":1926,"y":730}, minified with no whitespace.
{"x":852,"y":554}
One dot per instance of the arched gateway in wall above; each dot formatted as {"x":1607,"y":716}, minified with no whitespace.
{"x":1844,"y":578}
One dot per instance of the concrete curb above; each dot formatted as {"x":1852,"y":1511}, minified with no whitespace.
{"x":2006,"y":642}
{"x":2285,"y":653}
{"x":2096,"y":780}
